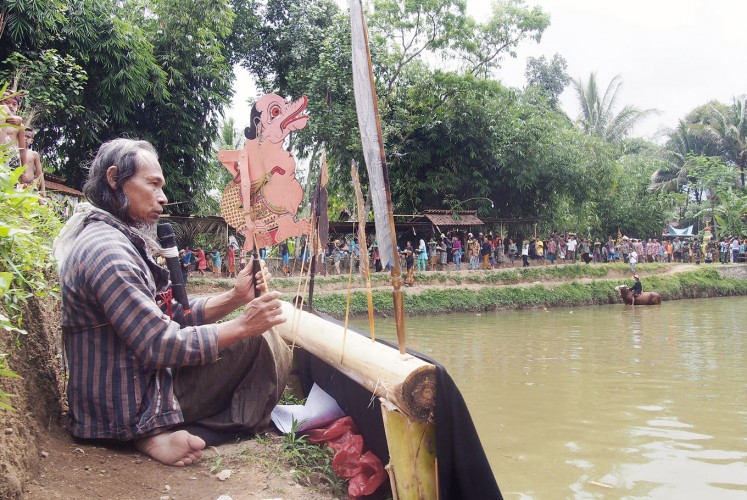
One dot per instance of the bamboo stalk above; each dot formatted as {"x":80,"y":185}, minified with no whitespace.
{"x":403,"y":379}
{"x":412,"y":454}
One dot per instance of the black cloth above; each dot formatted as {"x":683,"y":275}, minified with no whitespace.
{"x":463,"y":468}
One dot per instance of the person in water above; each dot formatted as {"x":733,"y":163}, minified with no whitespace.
{"x":637,"y":287}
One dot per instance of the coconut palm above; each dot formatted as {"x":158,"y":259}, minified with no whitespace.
{"x":730,"y":133}
{"x":598,"y":111}
{"x":686,"y":141}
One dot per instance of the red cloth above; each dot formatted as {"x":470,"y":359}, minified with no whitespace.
{"x":365,"y":470}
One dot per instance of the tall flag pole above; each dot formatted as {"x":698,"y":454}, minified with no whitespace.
{"x":367,"y":107}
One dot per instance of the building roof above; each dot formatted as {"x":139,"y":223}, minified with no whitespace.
{"x":448,"y":218}
{"x":61,"y":188}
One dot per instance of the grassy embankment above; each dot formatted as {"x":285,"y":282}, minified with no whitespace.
{"x":545,"y":286}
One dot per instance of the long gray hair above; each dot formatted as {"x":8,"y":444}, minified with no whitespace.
{"x":126,"y":155}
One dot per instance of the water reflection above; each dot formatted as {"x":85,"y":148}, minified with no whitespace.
{"x":603,"y":402}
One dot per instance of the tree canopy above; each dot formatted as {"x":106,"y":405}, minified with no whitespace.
{"x":99,"y":69}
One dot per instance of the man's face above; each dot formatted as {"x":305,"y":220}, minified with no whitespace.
{"x":29,"y":137}
{"x":12,"y":104}
{"x":144,"y":190}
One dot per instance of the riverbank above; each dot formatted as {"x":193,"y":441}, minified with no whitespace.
{"x":40,"y":460}
{"x":438,"y":292}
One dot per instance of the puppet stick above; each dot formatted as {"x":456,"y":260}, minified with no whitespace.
{"x":347,"y":308}
{"x":363,"y":245}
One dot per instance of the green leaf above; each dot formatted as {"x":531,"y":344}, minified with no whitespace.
{"x":5,"y":281}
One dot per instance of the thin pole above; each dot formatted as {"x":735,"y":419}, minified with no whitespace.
{"x":397,"y":296}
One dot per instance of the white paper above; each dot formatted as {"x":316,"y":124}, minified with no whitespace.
{"x":320,"y":409}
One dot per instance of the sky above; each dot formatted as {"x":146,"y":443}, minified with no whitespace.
{"x":672,"y":55}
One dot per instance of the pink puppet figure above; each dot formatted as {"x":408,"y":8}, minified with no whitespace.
{"x":265,"y":175}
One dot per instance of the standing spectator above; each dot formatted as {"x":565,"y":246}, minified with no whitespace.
{"x":668,"y":251}
{"x":231,"y":262}
{"x":409,"y":254}
{"x":500,"y":252}
{"x":633,"y":259}
{"x":697,"y":251}
{"x":443,"y":255}
{"x":34,"y":175}
{"x":533,"y":249}
{"x":597,"y":252}
{"x":586,"y":250}
{"x":677,"y":249}
{"x":216,"y":261}
{"x":513,"y":251}
{"x":284,"y":256}
{"x":686,"y":251}
{"x":473,"y":252}
{"x":456,"y":252}
{"x":337,"y":256}
{"x":10,"y":134}
{"x":735,"y":250}
{"x":562,"y":248}
{"x":624,"y":247}
{"x":201,"y":261}
{"x":184,"y":266}
{"x":189,"y":258}
{"x":539,"y":248}
{"x":485,"y":252}
{"x":525,"y":253}
{"x":572,"y":243}
{"x":422,"y":256}
{"x":432,"y":253}
{"x":551,"y":250}
{"x":376,"y":257}
{"x":710,"y":251}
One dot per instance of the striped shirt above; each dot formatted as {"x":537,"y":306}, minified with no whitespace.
{"x":120,"y":346}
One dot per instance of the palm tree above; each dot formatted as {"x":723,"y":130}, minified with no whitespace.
{"x":730,"y":133}
{"x":598,"y":114}
{"x":686,"y":141}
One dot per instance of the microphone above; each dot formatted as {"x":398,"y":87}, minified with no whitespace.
{"x":171,"y":254}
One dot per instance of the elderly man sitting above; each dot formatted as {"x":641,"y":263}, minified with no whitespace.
{"x":136,"y":373}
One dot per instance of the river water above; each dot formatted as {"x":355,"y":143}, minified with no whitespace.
{"x":602,"y":402}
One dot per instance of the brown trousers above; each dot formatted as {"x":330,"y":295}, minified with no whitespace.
{"x":239,"y":391}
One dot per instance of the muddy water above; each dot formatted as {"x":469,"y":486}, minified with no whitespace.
{"x":603,"y":402}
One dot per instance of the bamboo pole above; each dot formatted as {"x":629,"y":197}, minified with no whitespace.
{"x":406,"y":381}
{"x":412,"y":455}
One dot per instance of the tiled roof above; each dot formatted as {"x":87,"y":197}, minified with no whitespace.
{"x":450,"y":218}
{"x":61,"y":188}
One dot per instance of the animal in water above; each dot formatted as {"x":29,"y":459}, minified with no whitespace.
{"x":644,"y":299}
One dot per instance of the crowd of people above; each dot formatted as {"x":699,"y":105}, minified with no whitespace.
{"x":459,"y":251}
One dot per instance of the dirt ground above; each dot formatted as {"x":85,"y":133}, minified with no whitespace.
{"x":70,"y":470}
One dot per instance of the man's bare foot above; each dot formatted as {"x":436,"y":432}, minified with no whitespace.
{"x":178,"y":448}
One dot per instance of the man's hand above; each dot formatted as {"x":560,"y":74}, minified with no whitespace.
{"x":262,"y":313}
{"x":245,"y":281}
{"x":258,"y":316}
